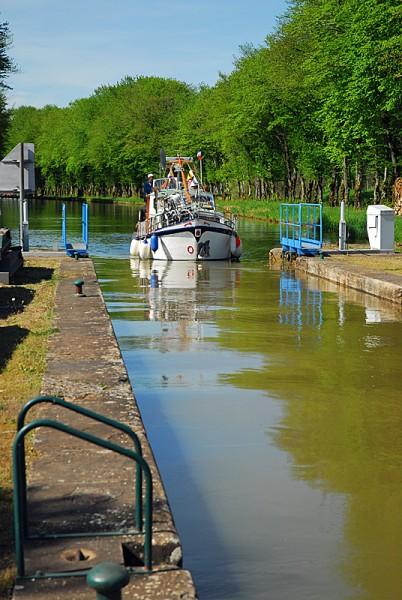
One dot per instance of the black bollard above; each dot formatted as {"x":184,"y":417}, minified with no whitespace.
{"x":78,"y":287}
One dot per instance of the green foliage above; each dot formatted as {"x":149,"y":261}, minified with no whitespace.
{"x":6,"y":66}
{"x":320,"y":100}
{"x":105,"y":143}
{"x":267,"y":211}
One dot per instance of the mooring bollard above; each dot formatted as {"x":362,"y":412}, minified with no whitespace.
{"x":78,"y":287}
{"x":108,"y":579}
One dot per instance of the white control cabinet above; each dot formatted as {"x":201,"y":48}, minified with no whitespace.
{"x":380,"y":227}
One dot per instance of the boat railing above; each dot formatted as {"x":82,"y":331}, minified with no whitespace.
{"x":172,"y":212}
{"x":144,"y":228}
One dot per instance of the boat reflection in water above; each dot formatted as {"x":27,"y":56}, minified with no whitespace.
{"x":185,"y":298}
{"x":184,"y":294}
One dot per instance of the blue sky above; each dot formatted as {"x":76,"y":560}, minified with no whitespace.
{"x":67,"y":48}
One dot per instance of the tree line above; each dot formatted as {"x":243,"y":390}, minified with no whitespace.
{"x":314,"y":112}
{"x":6,"y":67}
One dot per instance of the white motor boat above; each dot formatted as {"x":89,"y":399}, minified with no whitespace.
{"x":181,"y":221}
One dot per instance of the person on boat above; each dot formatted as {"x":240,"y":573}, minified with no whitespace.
{"x":172,"y":181}
{"x":148,"y":189}
{"x":149,"y":185}
{"x":192,"y":181}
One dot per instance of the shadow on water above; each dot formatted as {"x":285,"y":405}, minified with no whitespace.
{"x":194,"y":520}
{"x":11,"y":336}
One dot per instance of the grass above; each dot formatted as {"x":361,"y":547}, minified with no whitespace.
{"x":114,"y":200}
{"x":26,"y":310}
{"x":270,"y":211}
{"x":101,"y":199}
{"x":255,"y":209}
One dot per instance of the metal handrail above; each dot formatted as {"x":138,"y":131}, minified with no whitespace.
{"x":69,"y":248}
{"x":84,"y":224}
{"x":96,"y":417}
{"x":19,"y":475}
{"x":301,"y":227}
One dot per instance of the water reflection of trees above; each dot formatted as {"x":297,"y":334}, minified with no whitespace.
{"x":339,"y":381}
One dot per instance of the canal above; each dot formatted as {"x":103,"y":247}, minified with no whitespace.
{"x":273,"y":405}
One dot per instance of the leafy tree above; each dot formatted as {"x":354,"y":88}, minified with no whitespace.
{"x":320,"y":98}
{"x":353,"y":65}
{"x":6,"y":67}
{"x":106,"y":143}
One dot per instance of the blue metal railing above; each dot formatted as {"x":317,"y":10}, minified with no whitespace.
{"x":80,"y":250}
{"x":84,"y":226}
{"x":64,"y":225}
{"x":301,"y":228}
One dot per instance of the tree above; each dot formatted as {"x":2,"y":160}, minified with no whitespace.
{"x":6,"y":67}
{"x":354,"y":66}
{"x":316,"y":105}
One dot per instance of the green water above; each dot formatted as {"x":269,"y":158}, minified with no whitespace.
{"x":274,"y":408}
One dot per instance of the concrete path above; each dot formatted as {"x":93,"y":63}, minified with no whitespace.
{"x":77,"y":487}
{"x":361,"y":276}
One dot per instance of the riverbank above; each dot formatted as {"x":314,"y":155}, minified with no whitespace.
{"x":26,"y":310}
{"x":80,"y":488}
{"x":378,"y":275}
{"x":98,"y":199}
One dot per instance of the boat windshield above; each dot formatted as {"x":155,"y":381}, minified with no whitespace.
{"x":165,"y":183}
{"x":206,"y":201}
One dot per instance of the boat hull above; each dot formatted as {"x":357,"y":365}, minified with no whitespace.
{"x":194,"y":240}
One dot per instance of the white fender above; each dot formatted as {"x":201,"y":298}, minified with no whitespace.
{"x":144,"y":250}
{"x":134,"y":247}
